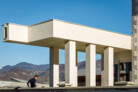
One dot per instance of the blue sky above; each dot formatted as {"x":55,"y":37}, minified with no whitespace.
{"x":113,"y":15}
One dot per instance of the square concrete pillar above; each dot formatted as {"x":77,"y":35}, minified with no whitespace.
{"x":54,"y":67}
{"x":91,"y":65}
{"x":70,"y":64}
{"x":108,"y":67}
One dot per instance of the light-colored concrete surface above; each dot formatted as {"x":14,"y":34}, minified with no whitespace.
{"x":108,"y":71}
{"x":125,"y":56}
{"x":91,"y":65}
{"x":70,"y":63}
{"x":16,"y":33}
{"x":124,"y":83}
{"x":70,"y":31}
{"x":11,"y":84}
{"x":75,"y":89}
{"x":41,"y":31}
{"x":54,"y":67}
{"x":56,"y":32}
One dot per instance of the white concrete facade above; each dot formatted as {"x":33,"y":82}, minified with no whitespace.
{"x":58,"y":34}
{"x":61,"y":30}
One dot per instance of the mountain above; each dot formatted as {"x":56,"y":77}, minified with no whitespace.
{"x":29,"y":66}
{"x":26,"y":71}
{"x":5,"y":68}
{"x":26,"y":66}
{"x":20,"y":73}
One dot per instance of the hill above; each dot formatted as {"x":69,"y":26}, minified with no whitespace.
{"x":26,"y":71}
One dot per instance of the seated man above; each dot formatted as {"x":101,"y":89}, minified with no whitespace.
{"x":32,"y":82}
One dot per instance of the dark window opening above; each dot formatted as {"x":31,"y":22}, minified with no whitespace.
{"x":116,"y":72}
{"x":5,"y":33}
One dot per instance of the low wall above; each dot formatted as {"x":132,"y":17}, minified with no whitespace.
{"x":16,"y":84}
{"x":75,"y":89}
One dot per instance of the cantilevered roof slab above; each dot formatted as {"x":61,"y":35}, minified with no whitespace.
{"x":56,"y":33}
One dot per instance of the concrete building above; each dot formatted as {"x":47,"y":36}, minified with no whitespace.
{"x":115,"y":49}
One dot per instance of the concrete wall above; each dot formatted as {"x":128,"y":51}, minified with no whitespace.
{"x":125,"y":56}
{"x":67,"y":31}
{"x":16,"y":32}
{"x":20,"y":33}
{"x":70,"y":31}
{"x":7,"y":84}
{"x":40,"y":31}
{"x":79,"y":89}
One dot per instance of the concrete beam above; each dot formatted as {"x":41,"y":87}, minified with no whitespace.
{"x":70,"y":63}
{"x":108,"y":67}
{"x":54,"y":67}
{"x":91,"y":65}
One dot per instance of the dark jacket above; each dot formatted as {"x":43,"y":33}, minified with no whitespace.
{"x":32,"y":82}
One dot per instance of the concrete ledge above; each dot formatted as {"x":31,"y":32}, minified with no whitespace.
{"x":124,"y":83}
{"x":74,"y":89}
{"x":64,"y":85}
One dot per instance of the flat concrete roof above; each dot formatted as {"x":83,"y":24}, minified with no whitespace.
{"x":57,"y":32}
{"x":77,"y":24}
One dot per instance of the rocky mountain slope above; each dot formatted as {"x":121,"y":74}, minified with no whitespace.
{"x":26,"y":71}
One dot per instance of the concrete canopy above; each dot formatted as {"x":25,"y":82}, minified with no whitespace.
{"x":55,"y":33}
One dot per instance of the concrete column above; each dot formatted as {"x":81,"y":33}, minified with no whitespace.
{"x":102,"y":69}
{"x":70,"y":63}
{"x":135,"y":42}
{"x":54,"y":67}
{"x":76,"y":68}
{"x":91,"y":65}
{"x":108,"y":70}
